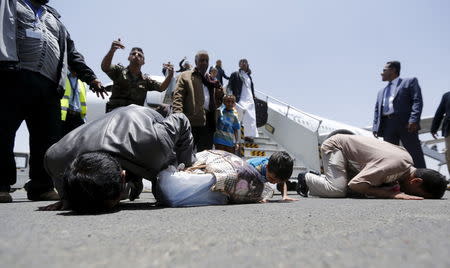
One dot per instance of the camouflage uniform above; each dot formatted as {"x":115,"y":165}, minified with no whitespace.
{"x":128,"y":89}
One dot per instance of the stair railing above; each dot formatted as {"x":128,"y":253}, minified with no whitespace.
{"x":270,"y":99}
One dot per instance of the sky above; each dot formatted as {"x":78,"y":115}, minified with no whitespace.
{"x":321,"y":56}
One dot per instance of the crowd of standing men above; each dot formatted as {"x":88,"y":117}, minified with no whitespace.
{"x":36,"y":51}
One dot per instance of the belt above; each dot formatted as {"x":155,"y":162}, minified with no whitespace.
{"x":389,"y":116}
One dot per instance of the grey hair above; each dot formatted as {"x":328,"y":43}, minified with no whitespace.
{"x":201,"y":52}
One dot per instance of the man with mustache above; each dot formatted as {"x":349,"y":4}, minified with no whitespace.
{"x":130,"y":84}
{"x":198,"y":99}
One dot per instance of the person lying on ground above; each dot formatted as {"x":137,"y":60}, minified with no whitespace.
{"x":216,"y":178}
{"x":383,"y":170}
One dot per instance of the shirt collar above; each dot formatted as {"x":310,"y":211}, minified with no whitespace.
{"x":37,"y":11}
{"x":141,"y":75}
{"x":395,"y":81}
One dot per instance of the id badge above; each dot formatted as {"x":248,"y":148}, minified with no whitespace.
{"x":31,"y":33}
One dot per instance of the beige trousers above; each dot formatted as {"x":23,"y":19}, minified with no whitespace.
{"x":334,"y":182}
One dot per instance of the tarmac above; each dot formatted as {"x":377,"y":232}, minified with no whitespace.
{"x":312,"y":232}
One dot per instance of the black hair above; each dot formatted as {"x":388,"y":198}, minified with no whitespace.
{"x":395,"y":65}
{"x":242,"y":60}
{"x":229,"y":97}
{"x":91,"y":180}
{"x":433,"y":182}
{"x":138,"y":49}
{"x":281,"y":165}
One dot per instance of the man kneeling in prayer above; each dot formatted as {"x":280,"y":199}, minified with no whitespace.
{"x":383,"y":170}
{"x":91,"y":165}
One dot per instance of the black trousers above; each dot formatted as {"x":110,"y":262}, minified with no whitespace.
{"x":31,"y":97}
{"x":203,"y":138}
{"x":204,"y":135}
{"x":72,"y":122}
{"x":394,"y":131}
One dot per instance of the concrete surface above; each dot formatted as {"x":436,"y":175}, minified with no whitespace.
{"x":311,"y":232}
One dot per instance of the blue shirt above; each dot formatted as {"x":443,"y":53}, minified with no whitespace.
{"x":74,"y":101}
{"x":260,"y":164}
{"x":227,"y":124}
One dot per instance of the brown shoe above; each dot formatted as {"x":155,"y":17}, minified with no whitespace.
{"x":47,"y":196}
{"x":5,"y":197}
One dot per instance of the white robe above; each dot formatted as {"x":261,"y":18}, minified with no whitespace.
{"x":246,"y":107}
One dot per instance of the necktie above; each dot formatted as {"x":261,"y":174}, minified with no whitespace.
{"x":387,"y":95}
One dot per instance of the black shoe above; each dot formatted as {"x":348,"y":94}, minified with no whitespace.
{"x":302,"y":188}
{"x":291,"y":186}
{"x":50,"y":195}
{"x":5,"y":197}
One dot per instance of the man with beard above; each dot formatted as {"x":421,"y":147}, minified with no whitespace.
{"x":35,"y":51}
{"x":198,"y":99}
{"x":130,"y":84}
{"x":241,"y":85}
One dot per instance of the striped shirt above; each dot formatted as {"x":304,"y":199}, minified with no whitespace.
{"x":37,"y":40}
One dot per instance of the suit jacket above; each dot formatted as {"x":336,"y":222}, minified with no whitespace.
{"x":140,"y":138}
{"x":442,"y":114}
{"x":235,"y":85}
{"x":407,"y":103}
{"x":188,"y":97}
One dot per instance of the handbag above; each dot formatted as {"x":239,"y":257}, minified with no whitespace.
{"x":261,"y":112}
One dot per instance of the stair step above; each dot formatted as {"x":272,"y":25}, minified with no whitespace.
{"x":257,"y":152}
{"x":264,"y":146}
{"x":261,"y":138}
{"x":261,"y":149}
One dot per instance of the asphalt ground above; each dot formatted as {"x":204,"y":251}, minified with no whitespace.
{"x":312,"y":232}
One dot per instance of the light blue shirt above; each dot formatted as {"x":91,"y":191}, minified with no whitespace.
{"x":390,"y":97}
{"x":74,"y":101}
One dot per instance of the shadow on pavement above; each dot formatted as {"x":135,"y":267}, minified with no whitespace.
{"x":120,"y":207}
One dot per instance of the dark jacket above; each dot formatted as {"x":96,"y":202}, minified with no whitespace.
{"x":68,"y":54}
{"x":235,"y":85}
{"x":442,"y":114}
{"x":407,"y":103}
{"x":142,"y":140}
{"x":220,"y":74}
{"x":188,"y":98}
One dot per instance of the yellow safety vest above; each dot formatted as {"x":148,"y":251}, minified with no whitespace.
{"x":68,"y":94}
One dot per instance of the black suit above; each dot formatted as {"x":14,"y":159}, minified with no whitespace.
{"x":442,"y":114}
